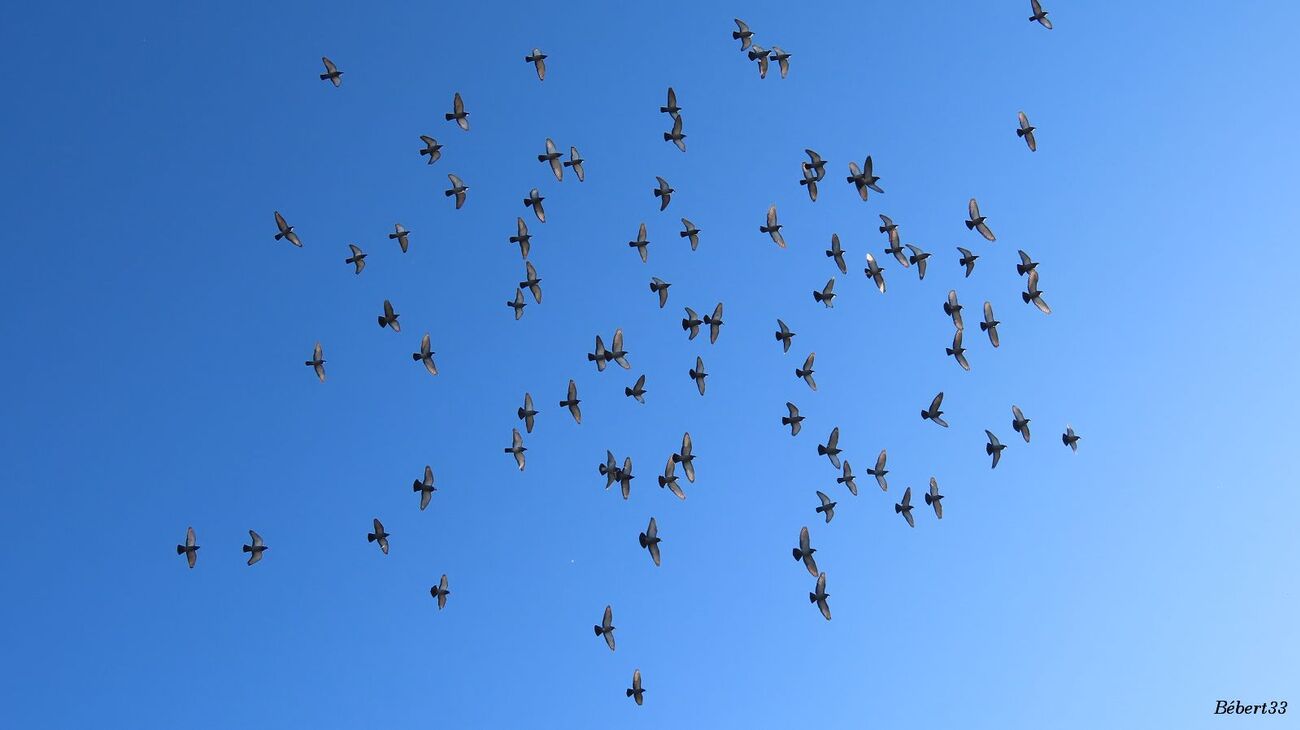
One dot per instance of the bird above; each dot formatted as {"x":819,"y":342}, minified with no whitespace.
{"x":819,"y":595}
{"x":458,"y":188}
{"x":953,"y":309}
{"x":847,"y":479}
{"x":743,"y":34}
{"x":538,"y":59}
{"x":636,"y":690}
{"x":794,"y":420}
{"x":1039,"y":15}
{"x":1070,"y":438}
{"x":827,"y":508}
{"x":660,"y":287}
{"x":805,"y":552}
{"x":990,"y":325}
{"x":933,"y":498}
{"x":532,"y":282}
{"x":809,"y":180}
{"x":317,"y":362}
{"x":458,"y":113}
{"x":905,"y":507}
{"x":879,"y":471}
{"x":967,"y":259}
{"x":664,"y":192}
{"x":676,"y":136}
{"x":714,"y":321}
{"x":625,"y":478}
{"x":993,"y":448}
{"x":389,"y":318}
{"x":827,"y":295}
{"x":190,"y":549}
{"x":522,"y":237}
{"x":575,"y":161}
{"x":698,"y":374}
{"x":669,"y":479}
{"x":875,"y":273}
{"x":358,"y":257}
{"x":784,"y":335}
{"x":616,"y":351}
{"x":401,"y":235}
{"x":957,"y":352}
{"x":888,"y":226}
{"x":606,"y":627}
{"x":671,"y":107}
{"x":641,"y":244}
{"x":690,"y":231}
{"x":650,"y":540}
{"x":527,"y":413}
{"x":424,"y":487}
{"x":552,"y":157}
{"x":637,"y":391}
{"x":863,"y":179}
{"x":816,"y":164}
{"x":806,"y":372}
{"x":1026,"y":264}
{"x":976,"y":221}
{"x":918,"y":257}
{"x":831,"y":449}
{"x":1019,"y":423}
{"x":286,"y":231}
{"x":782,"y":60}
{"x":609,"y":469}
{"x":425,"y":355}
{"x":686,"y":457}
{"x":517,"y":448}
{"x":773,"y":228}
{"x":1035,"y":295}
{"x":440,"y":592}
{"x":518,"y":303}
{"x":379,"y":536}
{"x":933,"y":413}
{"x":836,"y":252}
{"x":255,"y":548}
{"x":534,"y":201}
{"x":571,"y":402}
{"x":431,"y":149}
{"x":332,"y":72}
{"x":1026,"y":130}
{"x":691,"y":323}
{"x":759,"y":55}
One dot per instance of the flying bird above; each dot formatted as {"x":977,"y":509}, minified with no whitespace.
{"x":933,"y":413}
{"x":431,"y":149}
{"x":671,"y":108}
{"x":401,"y":235}
{"x":552,"y":158}
{"x":816,"y":164}
{"x":993,"y":448}
{"x":809,"y":180}
{"x":967,"y":259}
{"x":389,"y":318}
{"x":458,"y":113}
{"x":660,"y":287}
{"x":918,"y":257}
{"x":990,"y":325}
{"x":606,"y":627}
{"x":636,"y":690}
{"x":875,"y":273}
{"x":190,"y":549}
{"x":641,"y":244}
{"x":864,"y":179}
{"x":357,"y":259}
{"x":691,"y":323}
{"x":690,"y":231}
{"x":686,"y":457}
{"x":847,"y":479}
{"x":1070,"y":438}
{"x":676,"y":136}
{"x":616,"y":351}
{"x":782,"y":60}
{"x":888,"y":226}
{"x":625,"y":477}
{"x":518,"y":303}
{"x":743,"y":34}
{"x":698,"y":374}
{"x":805,"y":552}
{"x":1035,"y":295}
{"x":773,"y":228}
{"x":957,"y":352}
{"x":827,"y":507}
{"x":905,"y":507}
{"x":794,"y":420}
{"x":609,"y":469}
{"x":827,"y":295}
{"x":255,"y":548}
{"x":819,"y":595}
{"x":1026,"y":264}
{"x":831,"y":449}
{"x":933,"y":498}
{"x":836,"y":252}
{"x":784,"y":335}
{"x":286,"y":231}
{"x":440,"y":592}
{"x":532,"y":282}
{"x":1039,"y":15}
{"x":527,"y":413}
{"x":424,"y":487}
{"x":332,"y":73}
{"x":669,"y":479}
{"x":1026,"y":130}
{"x":976,"y":221}
{"x":458,"y":188}
{"x":575,"y":161}
{"x":538,"y":59}
{"x":534,"y":201}
{"x":571,"y":402}
{"x":650,"y":540}
{"x":953,"y":308}
{"x":425,"y":355}
{"x":664,"y":192}
{"x":714,"y":321}
{"x":379,"y":536}
{"x":806,"y":372}
{"x":637,"y":391}
{"x":517,"y":448}
{"x":522,"y":237}
{"x":1019,"y":423}
{"x":879,"y":471}
{"x":759,"y":55}
{"x":317,"y":362}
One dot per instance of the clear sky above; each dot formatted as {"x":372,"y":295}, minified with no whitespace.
{"x":153,"y":378}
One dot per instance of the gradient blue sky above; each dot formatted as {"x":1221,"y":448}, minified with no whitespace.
{"x":153,"y":377}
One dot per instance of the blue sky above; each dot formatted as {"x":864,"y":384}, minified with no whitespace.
{"x":153,"y":373}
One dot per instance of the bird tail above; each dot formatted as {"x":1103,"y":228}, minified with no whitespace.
{"x":247,"y":549}
{"x":180,"y":549}
{"x":667,"y":136}
{"x":984,"y":326}
{"x":1021,"y":132}
{"x":817,"y":296}
{"x":520,"y":411}
{"x":923,"y":413}
{"x":929,"y":499}
{"x":1020,"y":269}
{"x":278,"y":236}
{"x":449,"y":193}
{"x":641,"y":538}
{"x":1025,"y":296}
{"x":598,"y":631}
{"x":324,"y":76}
{"x":785,"y":421}
{"x":629,"y":692}
{"x":797,"y":554}
{"x":382,"y":322}
{"x":812,"y":597}
{"x":627,"y":392}
{"x":370,"y":537}
{"x":948,"y":350}
{"x":449,"y":117}
{"x":970,"y":226}
{"x":897,"y":509}
{"x":821,"y":450}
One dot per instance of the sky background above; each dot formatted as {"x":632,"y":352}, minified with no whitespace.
{"x":153,"y":377}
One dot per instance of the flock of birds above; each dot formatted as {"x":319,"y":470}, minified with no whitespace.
{"x":864,"y":181}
